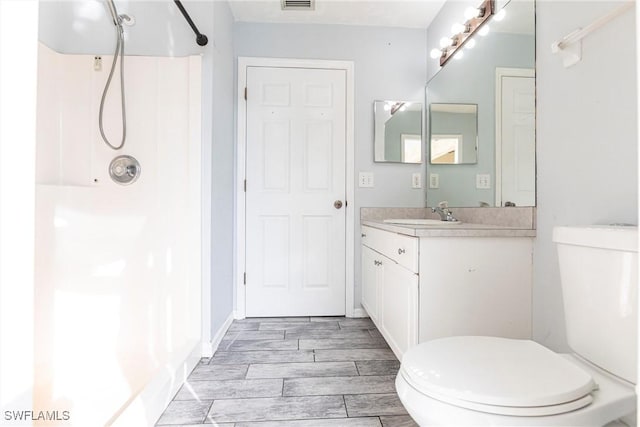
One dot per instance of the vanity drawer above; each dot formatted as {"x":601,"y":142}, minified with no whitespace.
{"x":401,"y":249}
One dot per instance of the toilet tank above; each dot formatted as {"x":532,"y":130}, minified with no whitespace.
{"x":599,"y":274}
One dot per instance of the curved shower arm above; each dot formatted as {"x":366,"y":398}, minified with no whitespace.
{"x":201,"y":39}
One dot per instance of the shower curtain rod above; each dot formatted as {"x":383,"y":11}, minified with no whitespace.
{"x":201,"y":39}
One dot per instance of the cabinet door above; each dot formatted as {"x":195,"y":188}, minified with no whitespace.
{"x":399,"y":307}
{"x":485,"y":289}
{"x":371,"y":276}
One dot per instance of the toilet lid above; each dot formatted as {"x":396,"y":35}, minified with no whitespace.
{"x":491,"y":371}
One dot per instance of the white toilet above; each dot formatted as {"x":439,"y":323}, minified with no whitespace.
{"x":491,"y":381}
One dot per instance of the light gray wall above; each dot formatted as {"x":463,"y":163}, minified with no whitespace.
{"x":389,"y":64}
{"x":85,"y":27}
{"x":223,"y":166}
{"x":586,"y":142}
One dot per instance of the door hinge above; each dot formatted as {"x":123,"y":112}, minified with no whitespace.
{"x":346,"y":203}
{"x":244,"y":280}
{"x":245,"y":93}
{"x":245,"y":185}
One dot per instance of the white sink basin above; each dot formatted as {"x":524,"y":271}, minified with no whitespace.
{"x":434,"y":222}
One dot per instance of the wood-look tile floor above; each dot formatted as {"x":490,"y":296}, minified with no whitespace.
{"x":294,"y":372}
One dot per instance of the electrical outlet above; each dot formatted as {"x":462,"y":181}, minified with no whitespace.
{"x":483,"y":181}
{"x":416,"y":180}
{"x":434,"y":180}
{"x":365,"y":180}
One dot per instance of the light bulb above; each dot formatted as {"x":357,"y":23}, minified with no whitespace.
{"x":445,"y":42}
{"x":435,"y":53}
{"x":471,"y":12}
{"x":386,"y":107}
{"x":470,"y":44}
{"x":484,"y":30}
{"x":500,"y":15}
{"x":458,"y":28}
{"x":458,"y":55}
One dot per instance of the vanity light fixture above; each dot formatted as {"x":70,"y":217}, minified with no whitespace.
{"x":398,"y":106}
{"x":476,"y":18}
{"x":393,"y":106}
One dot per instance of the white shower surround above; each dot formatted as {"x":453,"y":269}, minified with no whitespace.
{"x":118,"y":268}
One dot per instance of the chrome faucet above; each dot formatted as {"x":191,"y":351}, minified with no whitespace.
{"x":443,"y":210}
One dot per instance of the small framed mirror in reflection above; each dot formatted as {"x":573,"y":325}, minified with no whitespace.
{"x":453,"y":134}
{"x":397,"y":131}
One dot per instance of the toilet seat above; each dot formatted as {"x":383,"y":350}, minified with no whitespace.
{"x":497,"y":375}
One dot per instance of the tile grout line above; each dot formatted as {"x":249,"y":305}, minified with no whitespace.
{"x":346,"y":410}
{"x":206,"y":415}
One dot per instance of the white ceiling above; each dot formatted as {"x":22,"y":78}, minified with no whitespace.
{"x":382,"y":13}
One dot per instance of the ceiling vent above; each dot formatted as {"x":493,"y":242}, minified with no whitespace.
{"x":298,"y":4}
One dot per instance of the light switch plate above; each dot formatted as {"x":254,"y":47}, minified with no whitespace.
{"x":365,"y":180}
{"x":483,"y":181}
{"x":416,"y":180}
{"x":434,"y":180}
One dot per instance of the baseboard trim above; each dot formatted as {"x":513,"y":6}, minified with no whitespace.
{"x":208,"y":348}
{"x":359,"y":312}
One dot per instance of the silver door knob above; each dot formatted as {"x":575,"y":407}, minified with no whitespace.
{"x":337,"y":204}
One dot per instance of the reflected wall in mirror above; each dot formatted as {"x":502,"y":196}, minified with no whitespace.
{"x":498,"y":75}
{"x":398,"y":131}
{"x":453,"y":134}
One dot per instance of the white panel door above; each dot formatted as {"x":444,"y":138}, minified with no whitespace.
{"x":518,"y":141}
{"x":295,"y":171}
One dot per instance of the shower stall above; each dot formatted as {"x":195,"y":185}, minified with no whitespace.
{"x":118,"y":248}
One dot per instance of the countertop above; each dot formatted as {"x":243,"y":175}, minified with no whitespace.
{"x":458,"y":230}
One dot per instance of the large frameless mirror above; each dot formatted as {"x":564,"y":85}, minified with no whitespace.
{"x":398,"y":131}
{"x":498,"y":77}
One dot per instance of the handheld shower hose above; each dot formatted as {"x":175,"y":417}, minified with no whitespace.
{"x":117,"y":21}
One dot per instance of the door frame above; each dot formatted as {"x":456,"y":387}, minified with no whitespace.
{"x":500,"y":73}
{"x":241,"y":150}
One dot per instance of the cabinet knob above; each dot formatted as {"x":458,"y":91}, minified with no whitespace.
{"x":401,"y":251}
{"x":363,"y":235}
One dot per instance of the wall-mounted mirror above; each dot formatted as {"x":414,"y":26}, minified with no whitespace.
{"x":453,"y":134}
{"x":398,"y":131}
{"x":498,"y":76}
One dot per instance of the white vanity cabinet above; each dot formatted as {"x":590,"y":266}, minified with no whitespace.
{"x":390,"y":286}
{"x":417,"y":289}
